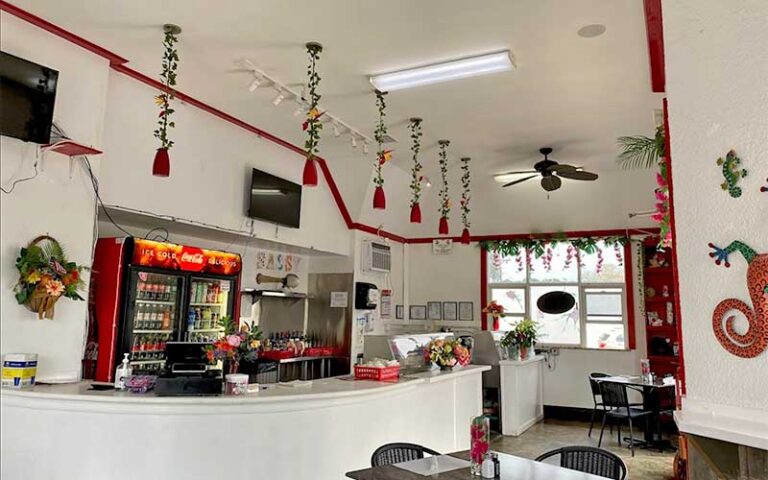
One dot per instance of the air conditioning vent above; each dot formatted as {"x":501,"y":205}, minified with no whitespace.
{"x":378,"y":256}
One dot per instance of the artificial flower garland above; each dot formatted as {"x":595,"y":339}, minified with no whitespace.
{"x":312,"y":123}
{"x":445,"y":200}
{"x":415,"y":127}
{"x":662,"y":214}
{"x":162,"y":166}
{"x":382,"y":155}
{"x":539,"y":246}
{"x":465,"y":197}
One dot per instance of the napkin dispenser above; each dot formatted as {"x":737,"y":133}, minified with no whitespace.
{"x":366,"y":296}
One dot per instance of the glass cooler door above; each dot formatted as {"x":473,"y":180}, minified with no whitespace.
{"x":153,"y":319}
{"x":209,"y":300}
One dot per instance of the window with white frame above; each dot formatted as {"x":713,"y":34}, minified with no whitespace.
{"x":596,"y":280}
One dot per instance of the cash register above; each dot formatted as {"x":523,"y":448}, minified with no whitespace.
{"x":187,"y":372}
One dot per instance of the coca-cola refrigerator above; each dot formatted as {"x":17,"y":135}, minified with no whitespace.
{"x":148,"y":293}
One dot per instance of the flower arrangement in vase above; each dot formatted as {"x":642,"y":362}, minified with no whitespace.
{"x":446,"y":353}
{"x":236,"y":345}
{"x":45,"y":275}
{"x":480,"y":441}
{"x":496,"y":311}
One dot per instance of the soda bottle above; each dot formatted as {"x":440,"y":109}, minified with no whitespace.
{"x":140,"y":290}
{"x":166,"y":324}
{"x":172,"y":292}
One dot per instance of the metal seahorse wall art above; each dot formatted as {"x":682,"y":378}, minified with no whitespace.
{"x":732,"y":173}
{"x":755,"y":340}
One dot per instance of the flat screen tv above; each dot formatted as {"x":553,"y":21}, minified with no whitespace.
{"x":274,"y":199}
{"x":27,"y":96}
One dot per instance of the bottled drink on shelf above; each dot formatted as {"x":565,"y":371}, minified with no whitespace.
{"x":166,"y":322}
{"x":172,"y":291}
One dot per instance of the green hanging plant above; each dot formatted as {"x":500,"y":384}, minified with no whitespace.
{"x":415,"y":127}
{"x":465,"y":193}
{"x":382,"y":155}
{"x":445,"y":200}
{"x":312,"y":124}
{"x":538,"y":246}
{"x":168,"y":77}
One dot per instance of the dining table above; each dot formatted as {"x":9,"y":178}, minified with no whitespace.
{"x":512,"y":468}
{"x":654,"y":393}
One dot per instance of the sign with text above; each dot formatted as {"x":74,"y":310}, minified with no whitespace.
{"x":149,"y":253}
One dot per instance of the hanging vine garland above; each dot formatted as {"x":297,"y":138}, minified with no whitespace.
{"x":662,"y":215}
{"x":382,"y":155}
{"x":312,"y":123}
{"x":445,"y":200}
{"x":161,"y":167}
{"x":415,"y":127}
{"x":537,"y":247}
{"x":465,"y":197}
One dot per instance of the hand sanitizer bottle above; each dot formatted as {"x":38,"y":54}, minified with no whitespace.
{"x":122,"y":373}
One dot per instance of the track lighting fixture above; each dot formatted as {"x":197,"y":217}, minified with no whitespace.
{"x":255,"y":84}
{"x":365,"y":148}
{"x":299,"y":110}
{"x":279,"y":98}
{"x":336,"y":130}
{"x":354,"y":141}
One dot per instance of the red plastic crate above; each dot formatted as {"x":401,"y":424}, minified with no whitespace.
{"x":379,"y":374}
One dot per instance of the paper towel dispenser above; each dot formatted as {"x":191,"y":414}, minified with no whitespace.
{"x":366,"y":296}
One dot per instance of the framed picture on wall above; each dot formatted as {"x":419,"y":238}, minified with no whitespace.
{"x":399,"y":312}
{"x":450,"y":311}
{"x":435,"y":310}
{"x":466,"y":311}
{"x":417,"y":312}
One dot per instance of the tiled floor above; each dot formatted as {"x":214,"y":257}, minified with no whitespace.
{"x":551,"y":434}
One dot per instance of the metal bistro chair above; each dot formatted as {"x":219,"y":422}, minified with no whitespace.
{"x":399,"y":452}
{"x":589,"y":460}
{"x":595,"y":386}
{"x":614,"y":397}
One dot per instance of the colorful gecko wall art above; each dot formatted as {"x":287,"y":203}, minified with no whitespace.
{"x":755,"y":340}
{"x":732,"y":173}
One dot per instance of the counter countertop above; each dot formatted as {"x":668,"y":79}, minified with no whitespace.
{"x":520,"y":363}
{"x":324,"y":389}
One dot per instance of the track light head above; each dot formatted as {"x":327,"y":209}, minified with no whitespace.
{"x":354,"y":141}
{"x":278,"y":99}
{"x":255,"y":84}
{"x":365,"y":148}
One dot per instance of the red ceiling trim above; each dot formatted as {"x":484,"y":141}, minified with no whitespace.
{"x":655,"y":32}
{"x":113,"y":58}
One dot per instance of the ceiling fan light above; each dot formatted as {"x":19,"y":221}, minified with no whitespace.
{"x":442,"y":72}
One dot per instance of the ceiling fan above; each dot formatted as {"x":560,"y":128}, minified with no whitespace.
{"x":550,"y":172}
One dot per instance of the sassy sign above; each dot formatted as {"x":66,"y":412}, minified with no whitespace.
{"x":278,"y":262}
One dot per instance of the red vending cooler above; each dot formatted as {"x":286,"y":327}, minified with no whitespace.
{"x":148,"y":293}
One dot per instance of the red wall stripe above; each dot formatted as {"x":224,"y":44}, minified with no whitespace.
{"x":675,"y":272}
{"x":655,"y":32}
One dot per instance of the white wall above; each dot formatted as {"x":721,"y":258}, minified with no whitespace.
{"x":456,"y":277}
{"x":52,"y":203}
{"x":717,"y":66}
{"x":211,"y":165}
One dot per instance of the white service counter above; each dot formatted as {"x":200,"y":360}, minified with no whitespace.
{"x":522,"y":394}
{"x":319,"y":432}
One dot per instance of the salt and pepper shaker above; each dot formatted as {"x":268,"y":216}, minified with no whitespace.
{"x":496,"y":465}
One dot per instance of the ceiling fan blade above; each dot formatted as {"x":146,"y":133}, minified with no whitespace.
{"x":577,"y":175}
{"x":561,"y":167}
{"x":515,"y":173}
{"x":551,"y":183}
{"x":518,"y":181}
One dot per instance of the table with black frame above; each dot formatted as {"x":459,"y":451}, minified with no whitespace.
{"x":512,"y":468}
{"x":652,"y":395}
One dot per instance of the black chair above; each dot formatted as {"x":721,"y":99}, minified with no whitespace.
{"x":593,"y":384}
{"x":399,"y":452}
{"x":614,"y":397}
{"x":589,"y":460}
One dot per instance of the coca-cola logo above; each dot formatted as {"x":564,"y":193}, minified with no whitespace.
{"x":192,"y":259}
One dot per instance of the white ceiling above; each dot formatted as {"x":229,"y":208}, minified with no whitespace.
{"x":574,"y":94}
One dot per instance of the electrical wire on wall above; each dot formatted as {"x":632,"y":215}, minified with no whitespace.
{"x":25,"y":179}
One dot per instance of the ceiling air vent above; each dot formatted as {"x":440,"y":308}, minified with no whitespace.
{"x":377,"y":256}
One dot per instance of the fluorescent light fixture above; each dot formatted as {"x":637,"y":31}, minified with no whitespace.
{"x":442,"y":72}
{"x":266,"y":293}
{"x":267,"y":191}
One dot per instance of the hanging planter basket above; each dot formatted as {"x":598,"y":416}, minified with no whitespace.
{"x":443,"y":228}
{"x":465,"y":237}
{"x":45,"y":275}
{"x":379,"y":199}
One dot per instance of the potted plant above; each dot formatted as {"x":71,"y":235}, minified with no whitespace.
{"x":236,"y":345}
{"x":446,"y":353}
{"x":510,"y":343}
{"x":527,"y":332}
{"x":45,"y":275}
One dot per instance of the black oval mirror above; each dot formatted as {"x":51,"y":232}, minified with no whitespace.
{"x":556,"y":303}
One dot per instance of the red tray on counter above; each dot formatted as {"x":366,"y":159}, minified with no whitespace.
{"x":277,"y":354}
{"x":319,"y":352}
{"x":379,"y":374}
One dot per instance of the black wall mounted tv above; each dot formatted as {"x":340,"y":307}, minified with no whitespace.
{"x":27,"y":97}
{"x":274,"y":199}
